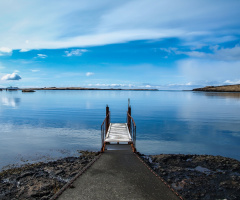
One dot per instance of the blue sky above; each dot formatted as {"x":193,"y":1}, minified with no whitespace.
{"x":124,"y":44}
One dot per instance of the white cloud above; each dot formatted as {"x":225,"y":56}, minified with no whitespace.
{"x":24,"y":50}
{"x":232,"y":82}
{"x":195,"y":54}
{"x":148,"y":86}
{"x":75,"y":52}
{"x":42,"y":56}
{"x":230,"y":54}
{"x":204,"y":71}
{"x":217,"y":53}
{"x":13,"y":76}
{"x":87,"y":23}
{"x":89,"y":73}
{"x":112,"y":85}
{"x":5,"y":51}
{"x":181,"y":84}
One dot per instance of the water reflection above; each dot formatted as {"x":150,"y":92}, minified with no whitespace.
{"x":167,"y":121}
{"x":223,"y":94}
{"x":11,"y":101}
{"x":33,"y":142}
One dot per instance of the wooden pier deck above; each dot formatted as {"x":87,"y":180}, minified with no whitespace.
{"x":118,"y":132}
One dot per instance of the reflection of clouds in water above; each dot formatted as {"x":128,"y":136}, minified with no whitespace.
{"x":210,"y":107}
{"x":89,"y":105}
{"x":211,"y":118}
{"x":32,"y":142}
{"x":48,"y":132}
{"x":153,"y":147}
{"x":10,"y":101}
{"x":224,"y":94}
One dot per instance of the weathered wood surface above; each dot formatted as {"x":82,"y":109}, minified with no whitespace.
{"x":118,"y":132}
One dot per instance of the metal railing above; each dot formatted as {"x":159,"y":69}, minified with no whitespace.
{"x":132,"y":128}
{"x":104,"y":129}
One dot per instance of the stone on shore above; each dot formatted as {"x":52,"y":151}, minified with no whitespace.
{"x":41,"y":180}
{"x":199,"y":176}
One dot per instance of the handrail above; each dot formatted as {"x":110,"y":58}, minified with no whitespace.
{"x":132,"y":119}
{"x":104,"y":130}
{"x":132,"y":129}
{"x":105,"y":118}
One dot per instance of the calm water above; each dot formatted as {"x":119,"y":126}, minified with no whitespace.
{"x":52,"y":124}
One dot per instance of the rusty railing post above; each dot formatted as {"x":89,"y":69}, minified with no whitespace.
{"x":129,"y":118}
{"x":107,"y":119}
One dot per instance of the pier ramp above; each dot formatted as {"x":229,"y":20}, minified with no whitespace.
{"x":119,"y":173}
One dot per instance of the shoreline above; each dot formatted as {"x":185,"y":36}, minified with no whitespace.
{"x":223,"y":88}
{"x":82,"y":88}
{"x":192,"y":176}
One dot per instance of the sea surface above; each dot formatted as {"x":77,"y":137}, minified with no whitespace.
{"x":45,"y":125}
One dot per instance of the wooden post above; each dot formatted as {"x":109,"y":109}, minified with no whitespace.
{"x":107,"y":119}
{"x":129,"y":119}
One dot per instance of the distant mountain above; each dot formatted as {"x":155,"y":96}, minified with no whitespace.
{"x":223,"y":88}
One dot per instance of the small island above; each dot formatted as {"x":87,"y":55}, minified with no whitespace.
{"x":24,"y":90}
{"x":223,"y":88}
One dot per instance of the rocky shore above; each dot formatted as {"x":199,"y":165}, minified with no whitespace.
{"x":199,"y":176}
{"x":41,"y":180}
{"x":192,"y":176}
{"x":223,"y":88}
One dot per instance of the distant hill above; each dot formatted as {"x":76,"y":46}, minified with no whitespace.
{"x":223,"y":88}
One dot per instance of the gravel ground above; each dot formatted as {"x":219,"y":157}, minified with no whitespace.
{"x":198,"y":176}
{"x":192,"y":176}
{"x":41,"y":180}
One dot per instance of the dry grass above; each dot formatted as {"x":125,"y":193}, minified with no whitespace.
{"x":224,"y":88}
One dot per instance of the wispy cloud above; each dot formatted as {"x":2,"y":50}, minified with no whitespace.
{"x":205,"y":71}
{"x":107,"y":22}
{"x":111,"y":85}
{"x":42,"y":56}
{"x":24,"y":50}
{"x":89,"y":74}
{"x":75,"y":52}
{"x":5,"y":51}
{"x":233,"y":82}
{"x":214,"y":52}
{"x":11,"y":77}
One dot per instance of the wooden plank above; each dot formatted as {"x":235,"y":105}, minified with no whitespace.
{"x":118,"y":132}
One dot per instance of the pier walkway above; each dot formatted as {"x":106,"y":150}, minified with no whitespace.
{"x":118,"y":132}
{"x":124,"y":133}
{"x":119,"y":173}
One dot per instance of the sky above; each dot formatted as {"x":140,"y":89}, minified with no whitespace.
{"x":119,"y":44}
